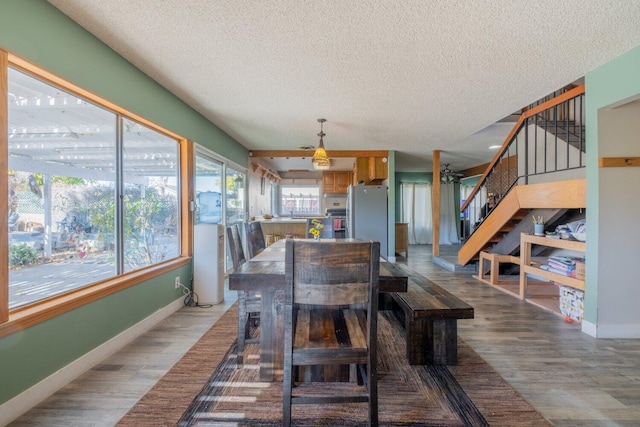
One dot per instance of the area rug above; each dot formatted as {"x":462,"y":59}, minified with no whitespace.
{"x":207,"y":388}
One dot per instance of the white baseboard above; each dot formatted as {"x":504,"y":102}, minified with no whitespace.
{"x":589,"y":328}
{"x":29,"y":398}
{"x":628,"y":331}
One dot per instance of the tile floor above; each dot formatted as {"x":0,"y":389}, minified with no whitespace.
{"x":571,"y":378}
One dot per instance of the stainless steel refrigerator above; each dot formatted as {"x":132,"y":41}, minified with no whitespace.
{"x":367,"y":214}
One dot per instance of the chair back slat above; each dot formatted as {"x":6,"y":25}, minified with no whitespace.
{"x":331,"y":273}
{"x":235,"y":246}
{"x":326,"y":272}
{"x":343,"y":266}
{"x":303,"y":328}
{"x":255,"y":238}
{"x":336,"y":294}
{"x":358,"y":340}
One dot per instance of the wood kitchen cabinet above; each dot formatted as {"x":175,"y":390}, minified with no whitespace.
{"x":370,"y":170}
{"x":378,"y":171}
{"x":402,"y":238}
{"x":361,"y":170}
{"x":343,"y":180}
{"x":336,"y":182}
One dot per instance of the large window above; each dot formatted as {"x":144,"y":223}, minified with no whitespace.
{"x":150,"y":195}
{"x":92,"y":194}
{"x":299,"y":200}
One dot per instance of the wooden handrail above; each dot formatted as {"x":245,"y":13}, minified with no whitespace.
{"x":578,"y":90}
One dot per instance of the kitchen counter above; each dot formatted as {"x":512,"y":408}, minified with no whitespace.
{"x":283,"y":226}
{"x":284,"y":220}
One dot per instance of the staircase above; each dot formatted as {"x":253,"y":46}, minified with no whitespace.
{"x":512,"y":216}
{"x":509,"y":244}
{"x":547,"y":141}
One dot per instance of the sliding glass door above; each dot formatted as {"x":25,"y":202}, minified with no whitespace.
{"x":208,"y":188}
{"x":236,"y":210}
{"x":220,"y":193}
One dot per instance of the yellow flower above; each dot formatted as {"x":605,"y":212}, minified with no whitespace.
{"x":315,"y":229}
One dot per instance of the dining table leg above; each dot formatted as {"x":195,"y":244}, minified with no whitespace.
{"x":272,"y":335}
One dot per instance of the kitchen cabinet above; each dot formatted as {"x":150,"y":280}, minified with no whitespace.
{"x":370,"y":170}
{"x":336,"y":182}
{"x":402,"y":238}
{"x":378,"y":171}
{"x":343,"y":180}
{"x":284,"y":227}
{"x":361,"y":170}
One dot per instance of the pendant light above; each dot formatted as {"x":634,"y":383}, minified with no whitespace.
{"x":320,"y":161}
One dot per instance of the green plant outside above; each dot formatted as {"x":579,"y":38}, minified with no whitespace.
{"x":21,"y":255}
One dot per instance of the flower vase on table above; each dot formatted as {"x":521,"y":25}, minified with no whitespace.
{"x":315,"y":228}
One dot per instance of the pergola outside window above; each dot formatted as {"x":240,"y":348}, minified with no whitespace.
{"x":92,"y":194}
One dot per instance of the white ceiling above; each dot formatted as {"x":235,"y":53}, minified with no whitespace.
{"x":411,"y":76}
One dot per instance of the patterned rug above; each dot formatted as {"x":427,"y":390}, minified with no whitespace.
{"x":207,"y":388}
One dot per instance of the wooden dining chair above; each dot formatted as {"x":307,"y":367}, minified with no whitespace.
{"x":255,"y":238}
{"x":331,"y":307}
{"x":326,"y":232}
{"x":249,"y":303}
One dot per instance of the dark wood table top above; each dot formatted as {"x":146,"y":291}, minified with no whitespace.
{"x":266,"y":271}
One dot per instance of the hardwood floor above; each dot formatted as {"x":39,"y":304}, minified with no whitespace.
{"x":571,"y":378}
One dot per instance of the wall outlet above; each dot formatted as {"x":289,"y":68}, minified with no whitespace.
{"x":177,"y":282}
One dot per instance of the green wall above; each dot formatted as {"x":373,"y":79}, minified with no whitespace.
{"x":35,"y":30}
{"x":611,"y":84}
{"x":30,"y":355}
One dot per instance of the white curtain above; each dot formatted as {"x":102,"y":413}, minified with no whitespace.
{"x":449,"y":216}
{"x":416,"y":212}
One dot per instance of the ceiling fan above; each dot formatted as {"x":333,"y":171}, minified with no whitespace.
{"x":447,"y":175}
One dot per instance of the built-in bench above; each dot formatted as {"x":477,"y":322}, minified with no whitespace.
{"x":429,"y":315}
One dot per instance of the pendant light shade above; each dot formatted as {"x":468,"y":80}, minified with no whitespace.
{"x":320,"y":159}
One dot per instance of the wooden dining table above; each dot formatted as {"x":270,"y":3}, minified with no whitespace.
{"x":264,"y":273}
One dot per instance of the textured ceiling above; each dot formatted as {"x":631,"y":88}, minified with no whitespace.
{"x":413,"y":76}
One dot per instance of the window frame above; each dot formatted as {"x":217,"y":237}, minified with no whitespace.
{"x":22,"y":317}
{"x":281,"y":208}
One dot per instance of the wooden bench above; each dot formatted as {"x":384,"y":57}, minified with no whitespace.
{"x":429,"y":315}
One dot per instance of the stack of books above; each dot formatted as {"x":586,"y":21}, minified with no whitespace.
{"x":565,"y":265}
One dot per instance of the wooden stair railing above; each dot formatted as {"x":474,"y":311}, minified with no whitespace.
{"x":529,"y":113}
